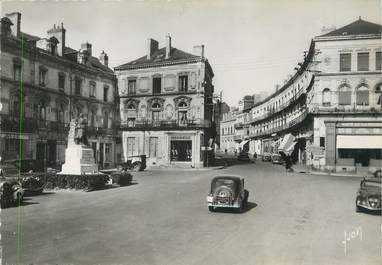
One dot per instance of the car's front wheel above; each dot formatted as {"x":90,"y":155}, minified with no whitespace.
{"x":358,"y":209}
{"x":211,"y":208}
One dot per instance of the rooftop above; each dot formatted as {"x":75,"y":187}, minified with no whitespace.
{"x":358,"y":27}
{"x":159,"y":58}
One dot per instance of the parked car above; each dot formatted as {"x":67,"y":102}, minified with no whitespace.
{"x":227,"y":192}
{"x":369,"y":195}
{"x":266,"y":157}
{"x":134,"y":163}
{"x":243,"y":156}
{"x":11,"y":192}
{"x":32,"y":183}
{"x":277,"y":159}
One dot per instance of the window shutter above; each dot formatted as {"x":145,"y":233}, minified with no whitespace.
{"x":159,"y":147}
{"x":344,"y":98}
{"x":192,"y":81}
{"x":362,"y":97}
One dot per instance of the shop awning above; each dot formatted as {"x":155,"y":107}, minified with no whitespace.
{"x":241,"y":145}
{"x":359,"y":141}
{"x":286,"y":143}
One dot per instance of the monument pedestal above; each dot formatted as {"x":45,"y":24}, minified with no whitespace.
{"x":79,"y":160}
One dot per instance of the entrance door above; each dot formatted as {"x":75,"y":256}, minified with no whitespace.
{"x":40,"y":156}
{"x":181,"y":150}
{"x":51,"y":153}
{"x":101,"y":148}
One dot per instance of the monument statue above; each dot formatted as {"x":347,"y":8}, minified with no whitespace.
{"x":80,"y":136}
{"x":79,"y":156}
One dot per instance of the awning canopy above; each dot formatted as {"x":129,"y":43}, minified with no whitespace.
{"x":287,"y":143}
{"x":241,"y":145}
{"x":359,"y":141}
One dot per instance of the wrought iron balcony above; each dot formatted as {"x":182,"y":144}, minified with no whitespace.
{"x":166,"y":125}
{"x":343,"y":109}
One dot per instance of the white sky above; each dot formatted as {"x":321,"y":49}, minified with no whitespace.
{"x":251,"y":45}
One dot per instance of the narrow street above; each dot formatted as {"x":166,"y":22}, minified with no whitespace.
{"x":293,"y":218}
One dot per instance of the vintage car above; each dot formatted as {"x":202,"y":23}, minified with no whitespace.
{"x":369,"y":195}
{"x":277,"y":159}
{"x":11,"y":192}
{"x":31,"y":182}
{"x":243,"y":156}
{"x":227,"y":192}
{"x":266,"y":157}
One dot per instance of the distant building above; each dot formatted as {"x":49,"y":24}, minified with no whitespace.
{"x":44,"y":84}
{"x":220,"y":108}
{"x":166,"y":105}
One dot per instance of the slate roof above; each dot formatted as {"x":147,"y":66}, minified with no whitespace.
{"x":159,"y":58}
{"x":358,"y":27}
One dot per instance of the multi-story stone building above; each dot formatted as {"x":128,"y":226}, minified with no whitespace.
{"x":166,"y":105}
{"x":331,"y":105}
{"x":44,"y":84}
{"x":227,"y":131}
{"x":346,"y":99}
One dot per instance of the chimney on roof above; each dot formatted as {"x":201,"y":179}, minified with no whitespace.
{"x":168,"y":46}
{"x":152,"y":46}
{"x":87,"y":47}
{"x":104,"y":59}
{"x":199,"y":50}
{"x":15,"y":18}
{"x":59,"y":33}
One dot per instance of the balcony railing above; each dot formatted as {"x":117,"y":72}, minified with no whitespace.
{"x":317,"y":108}
{"x":187,"y":124}
{"x":10,"y":123}
{"x":283,"y":127}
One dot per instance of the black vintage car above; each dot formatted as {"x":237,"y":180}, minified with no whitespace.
{"x":227,"y":192}
{"x":11,"y":192}
{"x":369,"y":195}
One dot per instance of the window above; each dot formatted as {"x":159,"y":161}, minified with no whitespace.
{"x":105,"y":93}
{"x":157,"y":85}
{"x":132,"y":86}
{"x":77,"y":86}
{"x":17,"y":72}
{"x":344,"y":95}
{"x":105,"y":119}
{"x":15,"y":108}
{"x":93,"y":115}
{"x":61,"y":81}
{"x":326,"y":97}
{"x":156,"y":111}
{"x":153,"y":146}
{"x":345,"y":62}
{"x":108,"y":152}
{"x":131,"y":147}
{"x":182,"y":117}
{"x":363,"y":61}
{"x":362,"y":95}
{"x":322,"y":142}
{"x":60,"y":113}
{"x":378,"y":62}
{"x":183,"y":83}
{"x":92,"y":89}
{"x":42,"y":76}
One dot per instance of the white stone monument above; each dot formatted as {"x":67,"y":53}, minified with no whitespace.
{"x":79,"y":158}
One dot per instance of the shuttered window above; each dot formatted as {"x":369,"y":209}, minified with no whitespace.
{"x":363,"y":61}
{"x":344,"y":96}
{"x":153,"y":146}
{"x":378,"y":62}
{"x":131,"y":147}
{"x":345,"y":62}
{"x":362,"y":96}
